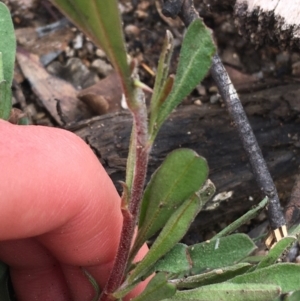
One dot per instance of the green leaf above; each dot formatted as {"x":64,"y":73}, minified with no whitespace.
{"x":5,"y":100}
{"x":157,"y":289}
{"x":173,"y":231}
{"x":286,"y":275}
{"x":294,"y":230}
{"x":220,"y":253}
{"x":243,"y":219}
{"x":195,"y":60}
{"x":176,"y":261}
{"x":277,"y":251}
{"x":161,"y":77}
{"x":211,"y":277}
{"x":100,"y":20}
{"x":7,"y":44}
{"x":229,"y":292}
{"x":181,"y":174}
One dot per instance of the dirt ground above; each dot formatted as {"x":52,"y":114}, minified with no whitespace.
{"x":55,"y":62}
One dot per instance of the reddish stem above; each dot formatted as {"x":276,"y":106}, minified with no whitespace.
{"x":130,"y":214}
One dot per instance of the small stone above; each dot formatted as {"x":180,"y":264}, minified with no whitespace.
{"x":102,"y":67}
{"x":215,"y":98}
{"x":141,"y":14}
{"x":230,"y":57}
{"x":143,"y":5}
{"x":100,"y":53}
{"x":296,"y":69}
{"x":89,"y":47}
{"x":70,"y":52}
{"x":132,"y":30}
{"x":198,"y":102}
{"x":201,"y":90}
{"x":78,"y":41}
{"x":213,"y":90}
{"x":297,"y":260}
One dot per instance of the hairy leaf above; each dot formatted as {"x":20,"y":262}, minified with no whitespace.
{"x":161,"y":76}
{"x":181,"y":174}
{"x":243,"y":219}
{"x":195,"y":60}
{"x":174,"y":230}
{"x":211,"y":277}
{"x":230,"y":292}
{"x":5,"y":100}
{"x":277,"y":251}
{"x":285,"y":275}
{"x":7,"y":44}
{"x":221,"y":252}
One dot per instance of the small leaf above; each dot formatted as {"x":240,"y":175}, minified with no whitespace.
{"x":161,"y":76}
{"x":229,"y":292}
{"x":277,"y":251}
{"x":100,"y":20}
{"x":7,"y":44}
{"x":214,"y":276}
{"x":243,"y":219}
{"x":285,"y":275}
{"x":157,"y":289}
{"x":220,"y":253}
{"x":194,"y":62}
{"x":181,"y":174}
{"x":5,"y":100}
{"x":174,"y":230}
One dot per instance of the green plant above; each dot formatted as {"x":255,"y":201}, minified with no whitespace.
{"x":219,"y":269}
{"x":171,"y":200}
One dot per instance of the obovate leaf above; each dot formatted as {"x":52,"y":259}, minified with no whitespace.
{"x":285,"y":275}
{"x":230,"y":292}
{"x":100,"y":20}
{"x":7,"y":44}
{"x":181,"y":174}
{"x":277,"y":251}
{"x":221,"y":252}
{"x":157,"y":289}
{"x":198,"y":258}
{"x":194,"y":62}
{"x":174,"y":230}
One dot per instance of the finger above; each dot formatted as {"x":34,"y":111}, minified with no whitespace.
{"x":67,"y":197}
{"x":35,"y":274}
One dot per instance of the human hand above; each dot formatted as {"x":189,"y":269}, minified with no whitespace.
{"x":59,"y":211}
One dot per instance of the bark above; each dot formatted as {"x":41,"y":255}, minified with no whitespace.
{"x":273,"y":114}
{"x":276,"y":22}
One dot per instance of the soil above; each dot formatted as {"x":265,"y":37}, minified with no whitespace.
{"x":251,"y":68}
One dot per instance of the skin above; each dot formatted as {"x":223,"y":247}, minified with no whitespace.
{"x":59,"y":212}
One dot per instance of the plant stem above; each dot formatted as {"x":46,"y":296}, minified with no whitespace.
{"x":139,"y":149}
{"x":261,"y":173}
